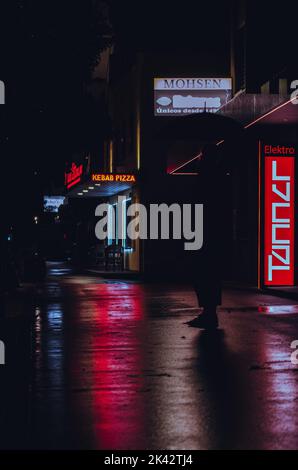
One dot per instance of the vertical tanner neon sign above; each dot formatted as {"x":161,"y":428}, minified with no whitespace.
{"x":279,"y":215}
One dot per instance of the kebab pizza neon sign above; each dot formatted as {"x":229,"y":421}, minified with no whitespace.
{"x":279,"y":215}
{"x":122,"y":178}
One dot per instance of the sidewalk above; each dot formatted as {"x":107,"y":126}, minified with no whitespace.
{"x":113,"y":274}
{"x":284,"y":292}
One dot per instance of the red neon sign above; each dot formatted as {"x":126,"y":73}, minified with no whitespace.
{"x":74,"y":176}
{"x":279,"y":216}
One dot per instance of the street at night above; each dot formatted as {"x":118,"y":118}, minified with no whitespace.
{"x":148,"y":233}
{"x":110,"y":364}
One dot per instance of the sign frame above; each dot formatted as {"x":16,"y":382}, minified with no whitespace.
{"x":277,"y":253}
{"x":181,"y":96}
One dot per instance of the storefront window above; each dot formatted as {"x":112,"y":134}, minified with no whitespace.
{"x":126,"y":242}
{"x":114,"y":226}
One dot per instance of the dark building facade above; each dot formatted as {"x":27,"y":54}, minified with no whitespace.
{"x":254,"y":89}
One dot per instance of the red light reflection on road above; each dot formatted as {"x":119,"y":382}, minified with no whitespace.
{"x":117,"y":367}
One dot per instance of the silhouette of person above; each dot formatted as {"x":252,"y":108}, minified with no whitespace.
{"x":208,"y":260}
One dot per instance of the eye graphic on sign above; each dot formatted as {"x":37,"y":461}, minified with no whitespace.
{"x":164,"y":101}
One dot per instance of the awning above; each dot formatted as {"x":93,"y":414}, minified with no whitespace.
{"x":102,"y":185}
{"x":249,"y":109}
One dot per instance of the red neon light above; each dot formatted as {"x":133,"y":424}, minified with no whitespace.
{"x":279,"y":217}
{"x":74,"y":176}
{"x":259,"y":214}
{"x":73,"y":183}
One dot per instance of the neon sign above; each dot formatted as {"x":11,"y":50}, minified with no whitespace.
{"x":279,"y":215}
{"x":121,"y":178}
{"x":74,"y":176}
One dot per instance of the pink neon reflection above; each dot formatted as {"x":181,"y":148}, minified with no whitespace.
{"x":278,"y":309}
{"x":117,"y":367}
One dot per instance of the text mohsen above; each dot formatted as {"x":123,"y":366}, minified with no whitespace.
{"x":116,"y":460}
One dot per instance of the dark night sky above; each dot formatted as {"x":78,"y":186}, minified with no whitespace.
{"x":47,"y":52}
{"x":169,"y":25}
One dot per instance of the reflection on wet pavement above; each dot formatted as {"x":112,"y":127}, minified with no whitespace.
{"x":110,"y":365}
{"x":278,"y":309}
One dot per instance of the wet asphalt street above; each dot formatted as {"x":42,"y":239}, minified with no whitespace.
{"x":107,"y":364}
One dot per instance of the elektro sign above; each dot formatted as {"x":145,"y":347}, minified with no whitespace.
{"x":118,"y":178}
{"x":182,"y":96}
{"x":279,"y":173}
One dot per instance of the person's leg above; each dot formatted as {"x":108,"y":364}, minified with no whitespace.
{"x":207,"y":319}
{"x":209,"y":297}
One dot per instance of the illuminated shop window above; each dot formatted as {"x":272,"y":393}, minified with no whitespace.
{"x":126,"y":242}
{"x":114,"y":225}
